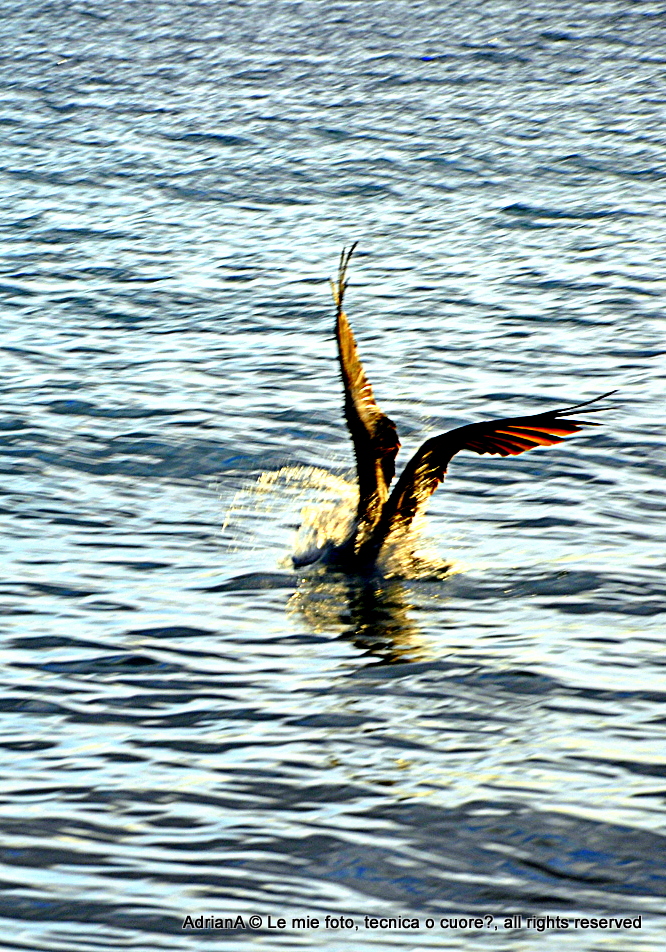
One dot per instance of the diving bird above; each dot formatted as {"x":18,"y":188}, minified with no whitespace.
{"x":382,"y":515}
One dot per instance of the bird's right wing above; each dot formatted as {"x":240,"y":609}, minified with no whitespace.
{"x":374,"y":435}
{"x":508,"y":437}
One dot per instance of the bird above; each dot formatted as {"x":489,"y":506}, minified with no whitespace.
{"x":384,"y":513}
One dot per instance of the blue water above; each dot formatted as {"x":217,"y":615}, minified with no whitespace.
{"x":189,"y":726}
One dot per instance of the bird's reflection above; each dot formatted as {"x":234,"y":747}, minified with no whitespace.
{"x":374,"y":613}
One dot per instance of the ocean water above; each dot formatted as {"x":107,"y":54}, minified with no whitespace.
{"x":189,"y":726}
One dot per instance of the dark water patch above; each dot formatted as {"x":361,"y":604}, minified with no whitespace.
{"x":46,"y":642}
{"x":556,"y":861}
{"x":362,"y":190}
{"x":334,"y":135}
{"x":14,"y":290}
{"x":525,"y":583}
{"x":645,"y":769}
{"x":39,"y":707}
{"x":27,"y":745}
{"x":333,"y":721}
{"x":517,"y":682}
{"x":435,"y":680}
{"x":84,"y":408}
{"x":212,"y":138}
{"x":558,"y":36}
{"x":18,"y":609}
{"x":99,"y":605}
{"x":135,"y":566}
{"x":140,"y":917}
{"x":255,"y":581}
{"x":123,"y":758}
{"x":645,"y":608}
{"x":11,"y":424}
{"x":57,"y":236}
{"x":192,"y":193}
{"x":305,"y":640}
{"x":543,"y":522}
{"x":542,"y":846}
{"x":521,"y":210}
{"x":170,"y":632}
{"x":473,"y":674}
{"x":122,"y":275}
{"x":638,"y":354}
{"x":619,"y":166}
{"x":47,"y":858}
{"x":82,"y":523}
{"x":100,"y":665}
{"x":62,"y":591}
{"x":498,"y":56}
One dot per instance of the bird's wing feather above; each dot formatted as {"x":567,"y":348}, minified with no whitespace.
{"x":374,"y":435}
{"x":507,"y":437}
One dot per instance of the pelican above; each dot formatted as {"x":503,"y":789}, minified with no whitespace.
{"x":382,"y":513}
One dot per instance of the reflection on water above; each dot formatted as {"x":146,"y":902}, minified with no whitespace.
{"x":373,"y":611}
{"x":374,"y":614}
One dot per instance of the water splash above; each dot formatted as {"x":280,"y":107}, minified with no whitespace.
{"x":318,"y":507}
{"x":325,"y":504}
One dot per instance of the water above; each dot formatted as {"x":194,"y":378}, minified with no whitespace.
{"x":189,"y":727}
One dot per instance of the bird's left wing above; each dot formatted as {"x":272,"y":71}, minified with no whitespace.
{"x":373,"y":434}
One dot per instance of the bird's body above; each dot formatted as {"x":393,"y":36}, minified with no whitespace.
{"x":382,"y":513}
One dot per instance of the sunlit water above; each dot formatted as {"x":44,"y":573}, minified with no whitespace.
{"x":189,"y":725}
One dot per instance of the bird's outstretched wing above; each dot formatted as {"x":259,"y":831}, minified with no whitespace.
{"x":509,"y":437}
{"x":373,"y":434}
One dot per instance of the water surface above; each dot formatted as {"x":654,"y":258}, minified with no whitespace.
{"x":189,"y":726}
